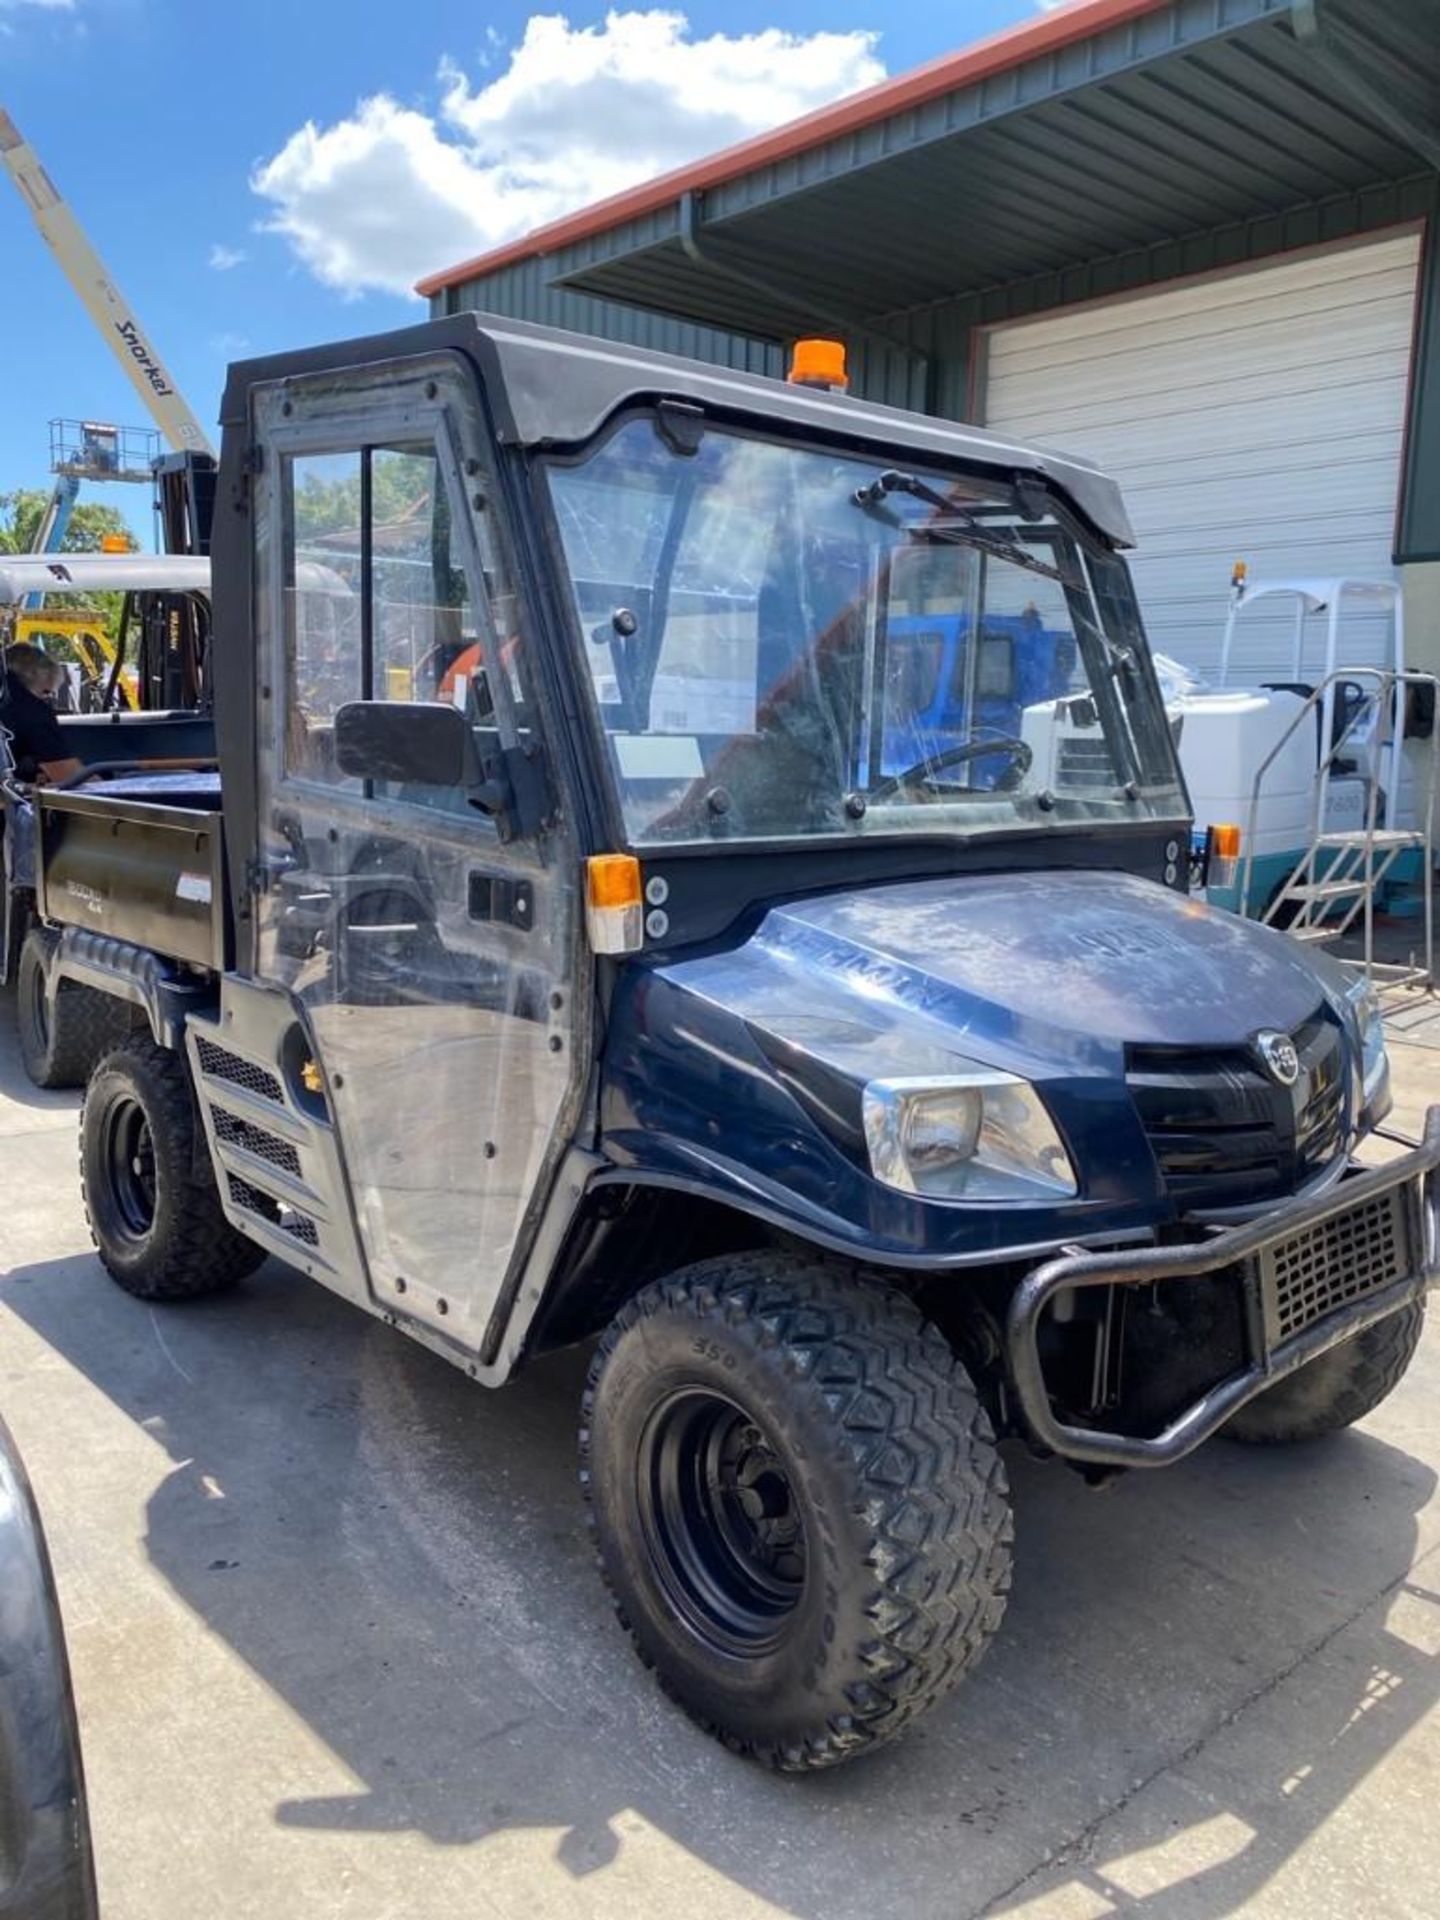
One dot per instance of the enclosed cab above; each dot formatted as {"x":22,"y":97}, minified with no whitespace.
{"x":605,"y":932}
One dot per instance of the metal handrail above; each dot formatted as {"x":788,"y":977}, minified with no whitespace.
{"x":1389,"y":681}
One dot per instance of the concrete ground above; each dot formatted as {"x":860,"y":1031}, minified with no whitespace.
{"x":339,"y":1649}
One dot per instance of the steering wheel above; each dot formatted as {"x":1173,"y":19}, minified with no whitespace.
{"x":1020,"y":752}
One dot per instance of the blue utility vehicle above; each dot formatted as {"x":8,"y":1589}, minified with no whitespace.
{"x":599,"y":932}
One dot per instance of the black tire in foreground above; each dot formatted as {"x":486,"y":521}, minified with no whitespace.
{"x":1335,"y":1390}
{"x":153,"y":1209}
{"x":61,"y":1038}
{"x":797,"y":1502}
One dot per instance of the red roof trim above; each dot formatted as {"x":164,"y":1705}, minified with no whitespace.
{"x":1031,"y":38}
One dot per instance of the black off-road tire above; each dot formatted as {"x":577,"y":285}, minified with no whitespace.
{"x":857,"y":1470}
{"x":62,"y":1037}
{"x":1335,"y":1390}
{"x":152,"y":1205}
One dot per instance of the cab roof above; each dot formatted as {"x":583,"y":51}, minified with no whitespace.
{"x":552,"y":389}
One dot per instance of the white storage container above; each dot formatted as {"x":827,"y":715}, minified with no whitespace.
{"x":1225,"y":738}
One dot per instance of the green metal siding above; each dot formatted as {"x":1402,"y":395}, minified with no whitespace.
{"x":526,"y":291}
{"x":1419,"y":532}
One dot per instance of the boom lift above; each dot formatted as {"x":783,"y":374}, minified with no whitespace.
{"x":186,"y":483}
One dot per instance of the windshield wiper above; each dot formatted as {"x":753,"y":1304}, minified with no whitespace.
{"x":958,"y":528}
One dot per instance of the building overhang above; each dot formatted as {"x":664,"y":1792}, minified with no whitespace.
{"x":1127,"y":126}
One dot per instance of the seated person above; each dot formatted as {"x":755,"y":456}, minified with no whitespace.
{"x":38,"y":746}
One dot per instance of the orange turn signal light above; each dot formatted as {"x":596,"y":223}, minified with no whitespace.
{"x":115,"y":543}
{"x":1225,"y":841}
{"x":613,"y":880}
{"x":818,"y":363}
{"x":613,"y":915}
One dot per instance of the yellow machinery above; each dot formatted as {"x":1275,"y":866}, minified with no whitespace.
{"x":82,"y":630}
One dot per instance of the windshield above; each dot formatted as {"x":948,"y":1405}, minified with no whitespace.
{"x":787,"y":641}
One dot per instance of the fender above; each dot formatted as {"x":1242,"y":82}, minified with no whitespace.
{"x":682,"y":1166}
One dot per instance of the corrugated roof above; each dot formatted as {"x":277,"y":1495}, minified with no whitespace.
{"x":1136,"y":126}
{"x":1030,"y":40}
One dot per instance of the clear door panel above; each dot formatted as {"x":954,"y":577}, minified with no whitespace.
{"x":434,"y":964}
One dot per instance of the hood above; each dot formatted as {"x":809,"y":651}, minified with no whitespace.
{"x":1042,"y":973}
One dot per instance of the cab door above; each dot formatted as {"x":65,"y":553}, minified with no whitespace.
{"x":435,"y":963}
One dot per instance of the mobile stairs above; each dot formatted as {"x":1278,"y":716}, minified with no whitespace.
{"x":1366,"y":834}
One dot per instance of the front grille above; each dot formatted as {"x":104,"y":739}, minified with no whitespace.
{"x":1224,"y":1133}
{"x":221,"y":1064}
{"x":1320,"y":1129}
{"x":1342,"y":1259}
{"x":241,"y":1133}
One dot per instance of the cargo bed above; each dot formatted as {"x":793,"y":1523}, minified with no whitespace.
{"x":140,"y":859}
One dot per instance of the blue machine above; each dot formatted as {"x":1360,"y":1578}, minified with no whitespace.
{"x":50,"y":534}
{"x":1020,"y":662}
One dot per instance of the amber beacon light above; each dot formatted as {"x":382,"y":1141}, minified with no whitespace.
{"x":818,"y":363}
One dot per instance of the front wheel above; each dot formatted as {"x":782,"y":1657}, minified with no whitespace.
{"x":1335,"y":1389}
{"x":798,"y":1504}
{"x":154,"y":1213}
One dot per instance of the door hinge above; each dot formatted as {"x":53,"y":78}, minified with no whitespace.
{"x":253,"y":460}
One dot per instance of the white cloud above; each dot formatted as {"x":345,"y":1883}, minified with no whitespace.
{"x":394,"y":192}
{"x":229,"y":346}
{"x":55,"y":6}
{"x":223,"y":258}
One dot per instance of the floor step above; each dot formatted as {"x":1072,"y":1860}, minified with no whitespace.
{"x":1326,"y":889}
{"x":1314,"y":933}
{"x":1383,"y":840}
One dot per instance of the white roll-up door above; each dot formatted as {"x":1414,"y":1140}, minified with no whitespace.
{"x":1257,"y":415}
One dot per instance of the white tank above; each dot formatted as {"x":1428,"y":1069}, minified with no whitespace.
{"x":1225,"y":738}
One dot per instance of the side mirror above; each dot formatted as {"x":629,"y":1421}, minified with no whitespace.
{"x":423,"y":743}
{"x":412,"y":742}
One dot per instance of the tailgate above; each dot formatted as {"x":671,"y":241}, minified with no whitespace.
{"x":135,"y":870}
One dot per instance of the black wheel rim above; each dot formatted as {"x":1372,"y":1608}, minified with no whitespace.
{"x":724,"y":1530}
{"x":130,"y":1167}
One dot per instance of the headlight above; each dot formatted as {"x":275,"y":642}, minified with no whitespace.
{"x":1374,"y":1064}
{"x":973,"y":1136}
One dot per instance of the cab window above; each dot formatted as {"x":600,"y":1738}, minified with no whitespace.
{"x":379,"y":603}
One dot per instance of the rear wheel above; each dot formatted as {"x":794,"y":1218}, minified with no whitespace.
{"x":1336,"y":1389}
{"x":797,"y":1502}
{"x":154,"y":1213}
{"x":62,"y":1036}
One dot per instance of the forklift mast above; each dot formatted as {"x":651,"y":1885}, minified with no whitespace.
{"x":185,"y":501}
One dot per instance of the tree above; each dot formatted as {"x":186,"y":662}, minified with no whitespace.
{"x":90,"y":523}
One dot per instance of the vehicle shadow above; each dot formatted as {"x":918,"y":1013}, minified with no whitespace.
{"x":402,"y":1558}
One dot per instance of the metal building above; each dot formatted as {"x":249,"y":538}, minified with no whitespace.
{"x":1193,"y":238}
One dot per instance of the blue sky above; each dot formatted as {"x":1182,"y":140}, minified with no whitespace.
{"x":246,"y":198}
